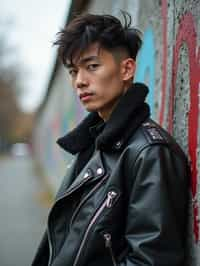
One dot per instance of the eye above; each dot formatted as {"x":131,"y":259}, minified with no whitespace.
{"x":72,"y":72}
{"x":92,"y":67}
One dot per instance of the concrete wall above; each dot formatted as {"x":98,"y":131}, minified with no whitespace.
{"x":169,"y":63}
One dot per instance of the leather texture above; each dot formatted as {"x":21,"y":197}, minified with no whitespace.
{"x":127,"y":206}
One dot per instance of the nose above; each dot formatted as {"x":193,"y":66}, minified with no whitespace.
{"x":81,"y":79}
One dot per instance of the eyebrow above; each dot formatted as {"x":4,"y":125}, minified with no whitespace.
{"x":83,"y":60}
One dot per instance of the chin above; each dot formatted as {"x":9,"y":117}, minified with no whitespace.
{"x":91,"y":109}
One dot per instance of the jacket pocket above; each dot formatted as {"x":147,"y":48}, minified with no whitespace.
{"x":108,"y":202}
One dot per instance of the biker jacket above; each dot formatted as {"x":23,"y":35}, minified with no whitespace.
{"x":123,"y":201}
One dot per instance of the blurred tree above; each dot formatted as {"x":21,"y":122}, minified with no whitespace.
{"x":8,"y":109}
{"x":11,"y":117}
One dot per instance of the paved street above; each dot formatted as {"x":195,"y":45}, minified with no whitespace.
{"x":24,"y":207}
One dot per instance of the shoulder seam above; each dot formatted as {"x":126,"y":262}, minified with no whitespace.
{"x":153,"y":134}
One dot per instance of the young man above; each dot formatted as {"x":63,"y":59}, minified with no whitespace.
{"x":123,"y":202}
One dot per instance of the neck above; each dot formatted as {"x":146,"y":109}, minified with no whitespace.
{"x":107,"y":111}
{"x":105,"y":114}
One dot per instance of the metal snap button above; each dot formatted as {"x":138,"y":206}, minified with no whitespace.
{"x":86,"y":175}
{"x":99,"y":171}
{"x":118,"y":144}
{"x":146,"y":124}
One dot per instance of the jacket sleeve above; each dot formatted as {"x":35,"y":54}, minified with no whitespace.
{"x":42,"y":255}
{"x":156,"y":216}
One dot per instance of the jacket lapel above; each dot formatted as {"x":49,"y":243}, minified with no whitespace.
{"x":92,"y":172}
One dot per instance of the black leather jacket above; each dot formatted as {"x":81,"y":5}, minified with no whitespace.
{"x":126,"y":203}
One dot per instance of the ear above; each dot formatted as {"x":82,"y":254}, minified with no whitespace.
{"x":128,"y":66}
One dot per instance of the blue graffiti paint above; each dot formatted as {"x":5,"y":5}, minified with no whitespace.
{"x":145,"y":71}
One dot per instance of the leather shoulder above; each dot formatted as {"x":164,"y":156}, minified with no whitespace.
{"x":150,"y":133}
{"x":154,"y":133}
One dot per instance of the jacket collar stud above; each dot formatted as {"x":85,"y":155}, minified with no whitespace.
{"x":99,"y":171}
{"x":118,"y":144}
{"x":87,"y":174}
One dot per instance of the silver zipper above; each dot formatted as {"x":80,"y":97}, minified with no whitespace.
{"x":111,"y":195}
{"x":58,"y":199}
{"x":107,"y":203}
{"x":50,"y":241}
{"x":86,"y":197}
{"x":108,"y":244}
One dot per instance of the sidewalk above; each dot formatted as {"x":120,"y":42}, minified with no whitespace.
{"x":24,"y":208}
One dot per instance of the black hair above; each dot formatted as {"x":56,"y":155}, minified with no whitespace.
{"x":107,"y":30}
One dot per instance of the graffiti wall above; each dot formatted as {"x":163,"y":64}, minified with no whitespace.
{"x":169,"y":62}
{"x":171,"y":54}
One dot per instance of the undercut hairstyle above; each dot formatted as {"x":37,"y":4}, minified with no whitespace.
{"x":106,"y":30}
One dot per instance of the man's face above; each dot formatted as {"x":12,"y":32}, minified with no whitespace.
{"x":98,"y":79}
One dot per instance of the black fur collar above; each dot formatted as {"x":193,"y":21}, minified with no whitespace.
{"x":129,"y":113}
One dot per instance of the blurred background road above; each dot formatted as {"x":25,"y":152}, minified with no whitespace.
{"x":24,"y":204}
{"x":27,"y":31}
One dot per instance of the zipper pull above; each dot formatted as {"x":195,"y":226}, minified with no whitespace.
{"x":111,"y":195}
{"x":107,"y":238}
{"x":108,"y":244}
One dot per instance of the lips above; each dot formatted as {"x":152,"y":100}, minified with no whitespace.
{"x":85,"y":96}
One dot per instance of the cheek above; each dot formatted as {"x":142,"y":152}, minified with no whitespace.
{"x":109,"y":79}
